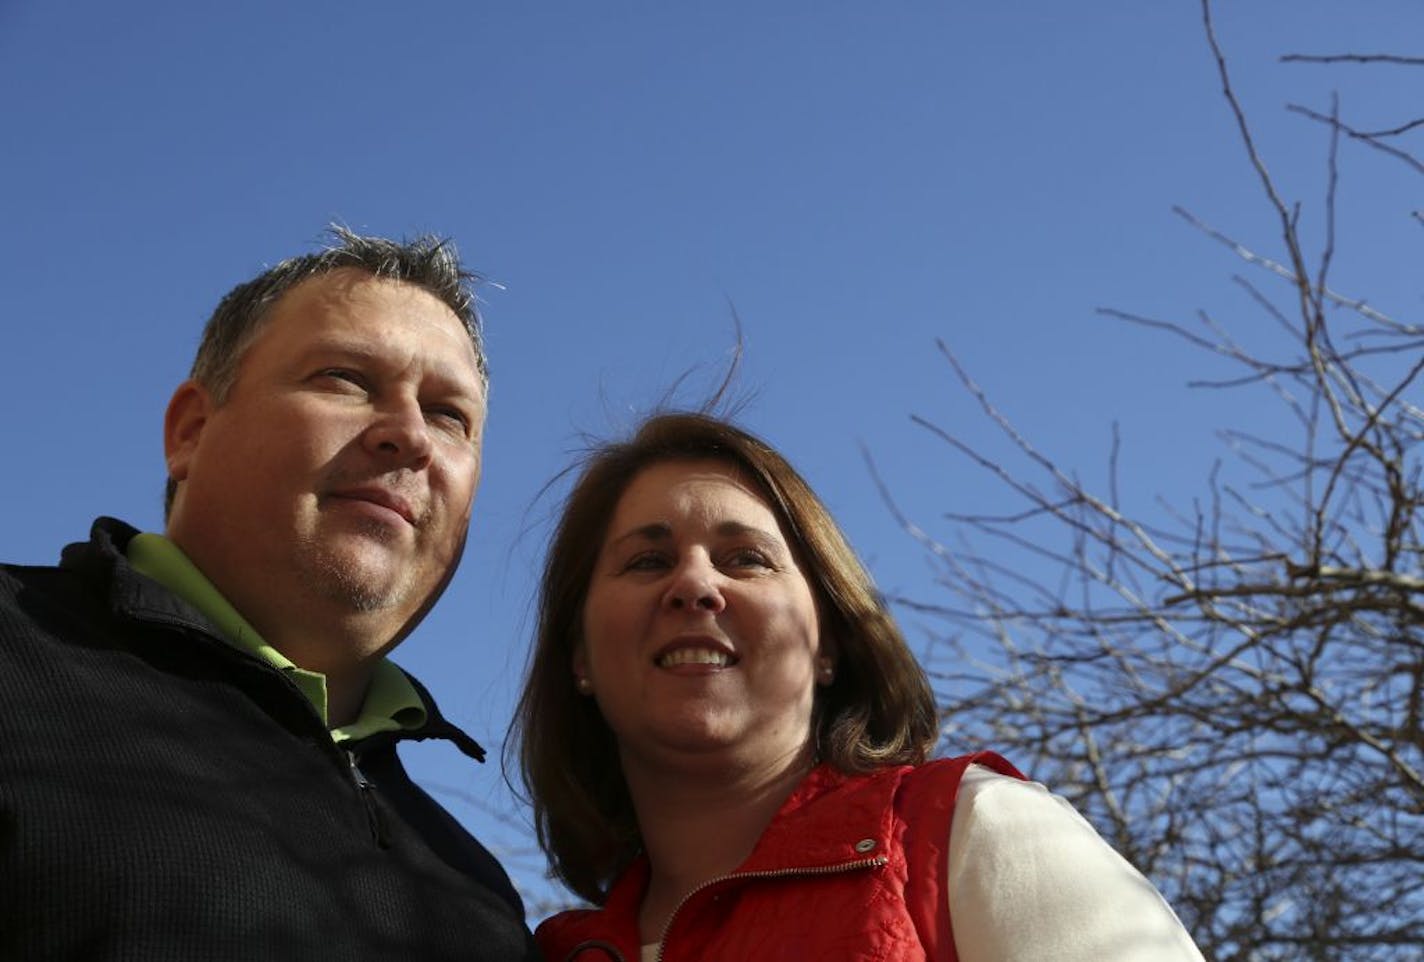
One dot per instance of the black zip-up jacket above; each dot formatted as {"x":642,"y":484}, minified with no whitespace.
{"x":165,"y":796}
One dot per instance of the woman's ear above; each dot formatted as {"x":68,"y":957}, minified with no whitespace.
{"x":579,"y":663}
{"x":826,"y":660}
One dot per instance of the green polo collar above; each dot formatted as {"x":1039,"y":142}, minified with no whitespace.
{"x":391,"y":704}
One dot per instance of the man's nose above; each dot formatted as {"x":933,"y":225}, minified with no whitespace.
{"x":401,"y":433}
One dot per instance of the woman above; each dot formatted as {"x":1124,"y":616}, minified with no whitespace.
{"x":724,"y":736}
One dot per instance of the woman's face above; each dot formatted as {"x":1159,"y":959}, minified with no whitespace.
{"x":700,"y":633}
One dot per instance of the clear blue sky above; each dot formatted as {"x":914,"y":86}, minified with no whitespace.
{"x":857,"y":179}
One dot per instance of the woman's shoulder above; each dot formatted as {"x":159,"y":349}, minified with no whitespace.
{"x":980,"y":762}
{"x":1014,"y":844}
{"x":941,"y":779}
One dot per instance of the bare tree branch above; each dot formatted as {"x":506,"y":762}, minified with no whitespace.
{"x":1232,"y":689}
{"x":1353,"y":58}
{"x":1364,"y":137}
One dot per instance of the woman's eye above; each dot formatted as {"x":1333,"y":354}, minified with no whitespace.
{"x":748,"y":558}
{"x":646,"y":562}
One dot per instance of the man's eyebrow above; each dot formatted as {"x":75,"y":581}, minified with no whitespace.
{"x":338,"y":349}
{"x":339,"y":345}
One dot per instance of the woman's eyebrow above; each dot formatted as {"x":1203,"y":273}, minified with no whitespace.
{"x":656,"y":531}
{"x":737,"y":528}
{"x":662,"y":531}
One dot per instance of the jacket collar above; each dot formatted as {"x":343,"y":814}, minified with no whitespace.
{"x":830,"y":819}
{"x":101,"y":561}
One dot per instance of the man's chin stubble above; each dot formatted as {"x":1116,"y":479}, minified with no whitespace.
{"x":349,"y":581}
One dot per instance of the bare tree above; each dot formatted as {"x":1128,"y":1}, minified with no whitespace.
{"x":1233,"y":691}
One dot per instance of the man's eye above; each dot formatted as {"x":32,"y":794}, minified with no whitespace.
{"x":453,"y":417}
{"x":342,"y":374}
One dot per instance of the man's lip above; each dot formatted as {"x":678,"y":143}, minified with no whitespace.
{"x":382,"y":497}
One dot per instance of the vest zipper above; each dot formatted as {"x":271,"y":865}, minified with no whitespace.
{"x":608,"y":949}
{"x":862,"y":863}
{"x":364,"y":788}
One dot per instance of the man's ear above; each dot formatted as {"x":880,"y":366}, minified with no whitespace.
{"x":183,"y":423}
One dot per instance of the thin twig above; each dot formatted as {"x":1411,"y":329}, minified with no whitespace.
{"x":1388,"y":58}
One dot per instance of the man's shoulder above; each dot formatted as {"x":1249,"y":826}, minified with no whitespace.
{"x":16,"y":573}
{"x":105,"y":543}
{"x":59,"y":593}
{"x":22,"y":572}
{"x":23,"y":581}
{"x":40,"y":604}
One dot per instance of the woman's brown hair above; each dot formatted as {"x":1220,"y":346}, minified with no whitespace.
{"x":878,"y":711}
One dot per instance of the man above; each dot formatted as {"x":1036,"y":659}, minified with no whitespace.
{"x":198,"y":731}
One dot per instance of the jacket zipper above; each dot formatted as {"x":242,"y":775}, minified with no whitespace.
{"x":856,"y":865}
{"x":608,"y":948}
{"x":364,"y":788}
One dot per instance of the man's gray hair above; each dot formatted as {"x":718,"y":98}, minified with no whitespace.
{"x":428,"y":262}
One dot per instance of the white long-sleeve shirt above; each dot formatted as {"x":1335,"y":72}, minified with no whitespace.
{"x":1030,"y":879}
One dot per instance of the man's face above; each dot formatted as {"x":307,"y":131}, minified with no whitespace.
{"x":335,"y":481}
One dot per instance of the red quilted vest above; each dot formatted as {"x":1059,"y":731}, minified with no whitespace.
{"x":851,"y":868}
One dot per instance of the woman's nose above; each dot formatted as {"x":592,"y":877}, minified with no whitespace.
{"x":694,"y":586}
